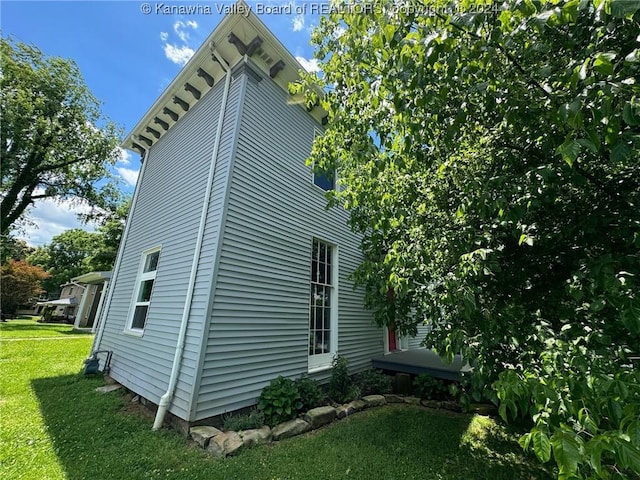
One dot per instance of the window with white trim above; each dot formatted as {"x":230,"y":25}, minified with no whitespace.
{"x":144,"y":289}
{"x":323,"y":313}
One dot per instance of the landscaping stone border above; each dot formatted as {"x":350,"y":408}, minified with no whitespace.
{"x":222,"y":444}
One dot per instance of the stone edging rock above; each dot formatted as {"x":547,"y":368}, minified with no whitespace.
{"x":221,"y":444}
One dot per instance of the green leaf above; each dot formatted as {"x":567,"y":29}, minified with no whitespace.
{"x":566,"y":450}
{"x":541,"y":445}
{"x":620,"y":151}
{"x":569,"y":150}
{"x":628,"y":455}
{"x":588,"y":144}
{"x":525,"y":440}
{"x":603,"y":63}
{"x":631,"y":114}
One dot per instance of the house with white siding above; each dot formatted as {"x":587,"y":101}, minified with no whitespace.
{"x":231,"y":270}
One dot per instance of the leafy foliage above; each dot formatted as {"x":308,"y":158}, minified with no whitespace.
{"x":341,"y":388}
{"x":55,"y":142}
{"x":76,"y":251}
{"x":310,"y":392}
{"x":68,"y":255}
{"x":20,"y":282}
{"x":245,"y":421}
{"x":426,"y":386}
{"x":489,"y":158}
{"x":280,"y":401}
{"x":13,"y":248}
{"x":373,"y":382}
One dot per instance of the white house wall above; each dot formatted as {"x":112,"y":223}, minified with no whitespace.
{"x":260,"y":318}
{"x":167,"y":214}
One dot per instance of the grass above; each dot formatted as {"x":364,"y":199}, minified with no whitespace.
{"x":55,"y":426}
{"x":26,"y":327}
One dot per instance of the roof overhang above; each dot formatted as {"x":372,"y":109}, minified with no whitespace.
{"x":92,"y":277}
{"x":60,"y":302}
{"x":239,"y":36}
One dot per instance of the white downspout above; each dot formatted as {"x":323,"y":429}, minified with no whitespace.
{"x":177,"y":359}
{"x":116,"y":268}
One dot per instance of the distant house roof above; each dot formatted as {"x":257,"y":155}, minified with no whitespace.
{"x":60,"y":302}
{"x":92,"y":277}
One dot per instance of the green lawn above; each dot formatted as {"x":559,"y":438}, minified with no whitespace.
{"x":26,"y":327}
{"x":54,"y":425}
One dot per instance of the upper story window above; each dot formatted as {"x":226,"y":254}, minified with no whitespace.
{"x":324,"y":180}
{"x":144,"y":288}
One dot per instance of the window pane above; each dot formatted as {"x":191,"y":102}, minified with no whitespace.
{"x":151,"y":262}
{"x":145,"y":291}
{"x":324,"y":180}
{"x":139,"y":316}
{"x":320,"y":304}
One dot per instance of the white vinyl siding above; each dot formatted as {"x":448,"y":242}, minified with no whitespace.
{"x":173,"y":183}
{"x":260,"y":317}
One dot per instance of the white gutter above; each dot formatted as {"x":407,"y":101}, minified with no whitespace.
{"x":182,"y":335}
{"x":116,"y":268}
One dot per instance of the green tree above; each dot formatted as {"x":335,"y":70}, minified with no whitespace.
{"x":55,"y":142}
{"x":111,"y":229}
{"x":13,"y":248}
{"x":488,"y":154}
{"x":20,"y":282}
{"x":68,"y":255}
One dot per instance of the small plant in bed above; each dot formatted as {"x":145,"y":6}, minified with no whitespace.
{"x":244,"y":421}
{"x":341,"y":386}
{"x":427,"y":387}
{"x":373,"y":382}
{"x":310,"y":392}
{"x":280,"y":401}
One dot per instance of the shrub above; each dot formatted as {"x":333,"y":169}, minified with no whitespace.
{"x":246,"y":421}
{"x":372,"y":382}
{"x":341,"y":387}
{"x":280,"y":401}
{"x":310,"y":392}
{"x":426,"y":386}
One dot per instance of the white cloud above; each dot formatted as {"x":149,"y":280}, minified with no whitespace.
{"x":298,"y":23}
{"x":178,"y":55}
{"x":50,"y":217}
{"x":310,"y":65}
{"x":164,"y":36}
{"x":180,"y":28}
{"x":124,"y":156}
{"x":129,"y":175}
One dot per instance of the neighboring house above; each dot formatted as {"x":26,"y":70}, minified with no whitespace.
{"x":32,"y":307}
{"x":64,"y":308}
{"x":231,"y":270}
{"x":95,"y":285}
{"x":80,"y":301}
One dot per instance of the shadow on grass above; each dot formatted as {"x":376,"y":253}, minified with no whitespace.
{"x":89,"y":431}
{"x":94,"y":438}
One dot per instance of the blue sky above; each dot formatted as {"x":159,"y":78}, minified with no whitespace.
{"x":127,"y":58}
